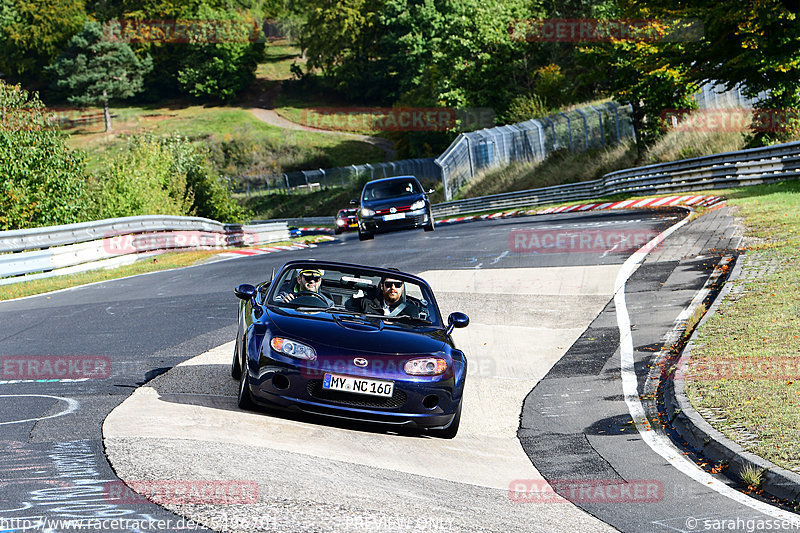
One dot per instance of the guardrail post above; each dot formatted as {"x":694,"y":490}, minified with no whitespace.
{"x":324,"y":179}
{"x":569,"y":130}
{"x":286,"y":177}
{"x":585,"y":130}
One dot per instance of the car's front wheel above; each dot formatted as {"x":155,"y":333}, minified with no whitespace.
{"x":365,"y":236}
{"x":244,"y":400}
{"x":236,"y":366}
{"x":450,"y":431}
{"x":430,"y":226}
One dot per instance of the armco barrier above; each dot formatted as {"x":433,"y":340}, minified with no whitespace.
{"x":61,"y":247}
{"x":733,"y":169}
{"x":54,"y":250}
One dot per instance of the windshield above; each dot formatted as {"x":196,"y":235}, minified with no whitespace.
{"x":391,"y":189}
{"x":358,"y":292}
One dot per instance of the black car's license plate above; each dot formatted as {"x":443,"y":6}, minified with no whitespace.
{"x":370,"y":387}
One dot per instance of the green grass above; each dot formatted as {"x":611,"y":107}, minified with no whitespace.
{"x":277,"y":149}
{"x":278,"y":59}
{"x":164,"y":261}
{"x":747,"y":359}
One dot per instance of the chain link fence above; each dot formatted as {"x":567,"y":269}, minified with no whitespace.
{"x":310,"y":180}
{"x":580,"y":129}
{"x":713,"y":95}
{"x":532,"y":140}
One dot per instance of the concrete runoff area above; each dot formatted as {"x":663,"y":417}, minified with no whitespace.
{"x":185,"y":425}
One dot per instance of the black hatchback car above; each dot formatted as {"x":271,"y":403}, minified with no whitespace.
{"x":393,"y":203}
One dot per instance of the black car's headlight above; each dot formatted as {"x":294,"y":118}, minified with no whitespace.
{"x":426,"y":366}
{"x":295,"y":349}
{"x":367,"y":212}
{"x":419,"y":204}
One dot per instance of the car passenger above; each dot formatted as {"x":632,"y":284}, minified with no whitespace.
{"x":308,"y":280}
{"x":390,"y":300}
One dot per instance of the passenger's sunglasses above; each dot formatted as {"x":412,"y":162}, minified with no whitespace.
{"x":312,"y":277}
{"x":395,"y":284}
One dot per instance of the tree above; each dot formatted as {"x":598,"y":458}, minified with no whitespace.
{"x":752,"y":44}
{"x":95,"y":69}
{"x":43,"y":181}
{"x":640,"y":70}
{"x":33,"y":33}
{"x":221,"y":67}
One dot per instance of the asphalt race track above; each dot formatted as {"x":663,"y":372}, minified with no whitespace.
{"x":544,"y":397}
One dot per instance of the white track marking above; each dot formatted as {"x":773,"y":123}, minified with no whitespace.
{"x":72,"y":406}
{"x":659,"y":443}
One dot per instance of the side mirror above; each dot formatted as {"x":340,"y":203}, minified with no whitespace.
{"x":456,"y":320}
{"x":430,"y":191}
{"x":245,"y":292}
{"x":353,"y":202}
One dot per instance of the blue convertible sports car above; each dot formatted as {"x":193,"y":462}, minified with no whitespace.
{"x":350,"y":342}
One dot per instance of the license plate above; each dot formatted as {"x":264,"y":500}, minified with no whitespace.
{"x":396,"y":216}
{"x":370,"y":387}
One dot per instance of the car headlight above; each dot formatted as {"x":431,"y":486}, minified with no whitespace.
{"x":295,"y":349}
{"x":419,"y":204}
{"x":426,"y":366}
{"x":366,"y":212}
{"x":340,"y":222}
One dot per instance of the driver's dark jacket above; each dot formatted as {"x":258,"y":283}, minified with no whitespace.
{"x":375,"y":306}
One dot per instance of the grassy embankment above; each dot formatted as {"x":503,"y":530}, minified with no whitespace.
{"x":239,"y":142}
{"x":746,"y":365}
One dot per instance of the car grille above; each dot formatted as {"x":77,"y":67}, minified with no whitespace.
{"x":386,"y":211}
{"x":356,"y":400}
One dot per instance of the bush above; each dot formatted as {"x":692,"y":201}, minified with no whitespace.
{"x":43,"y":181}
{"x":167,"y":176}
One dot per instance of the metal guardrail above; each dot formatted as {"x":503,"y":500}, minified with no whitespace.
{"x":61,"y":247}
{"x":54,"y":250}
{"x":733,"y":169}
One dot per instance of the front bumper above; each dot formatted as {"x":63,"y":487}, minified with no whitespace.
{"x":293,"y":389}
{"x":410,"y":220}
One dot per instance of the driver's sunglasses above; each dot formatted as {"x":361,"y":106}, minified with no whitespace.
{"x":395,"y":284}
{"x":312,"y":277}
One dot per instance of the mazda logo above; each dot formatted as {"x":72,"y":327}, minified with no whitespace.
{"x":360,"y":361}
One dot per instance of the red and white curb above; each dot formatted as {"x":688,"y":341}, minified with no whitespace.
{"x":316,"y":230}
{"x":667,"y":201}
{"x":270,"y":249}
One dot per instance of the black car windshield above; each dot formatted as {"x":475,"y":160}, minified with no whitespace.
{"x":391,"y":189}
{"x":356,"y":291}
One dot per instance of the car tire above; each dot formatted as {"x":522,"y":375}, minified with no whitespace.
{"x":364,"y":236}
{"x":337,"y":231}
{"x":244,"y":399}
{"x":431,"y":222}
{"x":236,"y":366}
{"x":450,"y":431}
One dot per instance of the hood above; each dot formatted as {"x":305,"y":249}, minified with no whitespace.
{"x":397,"y":201}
